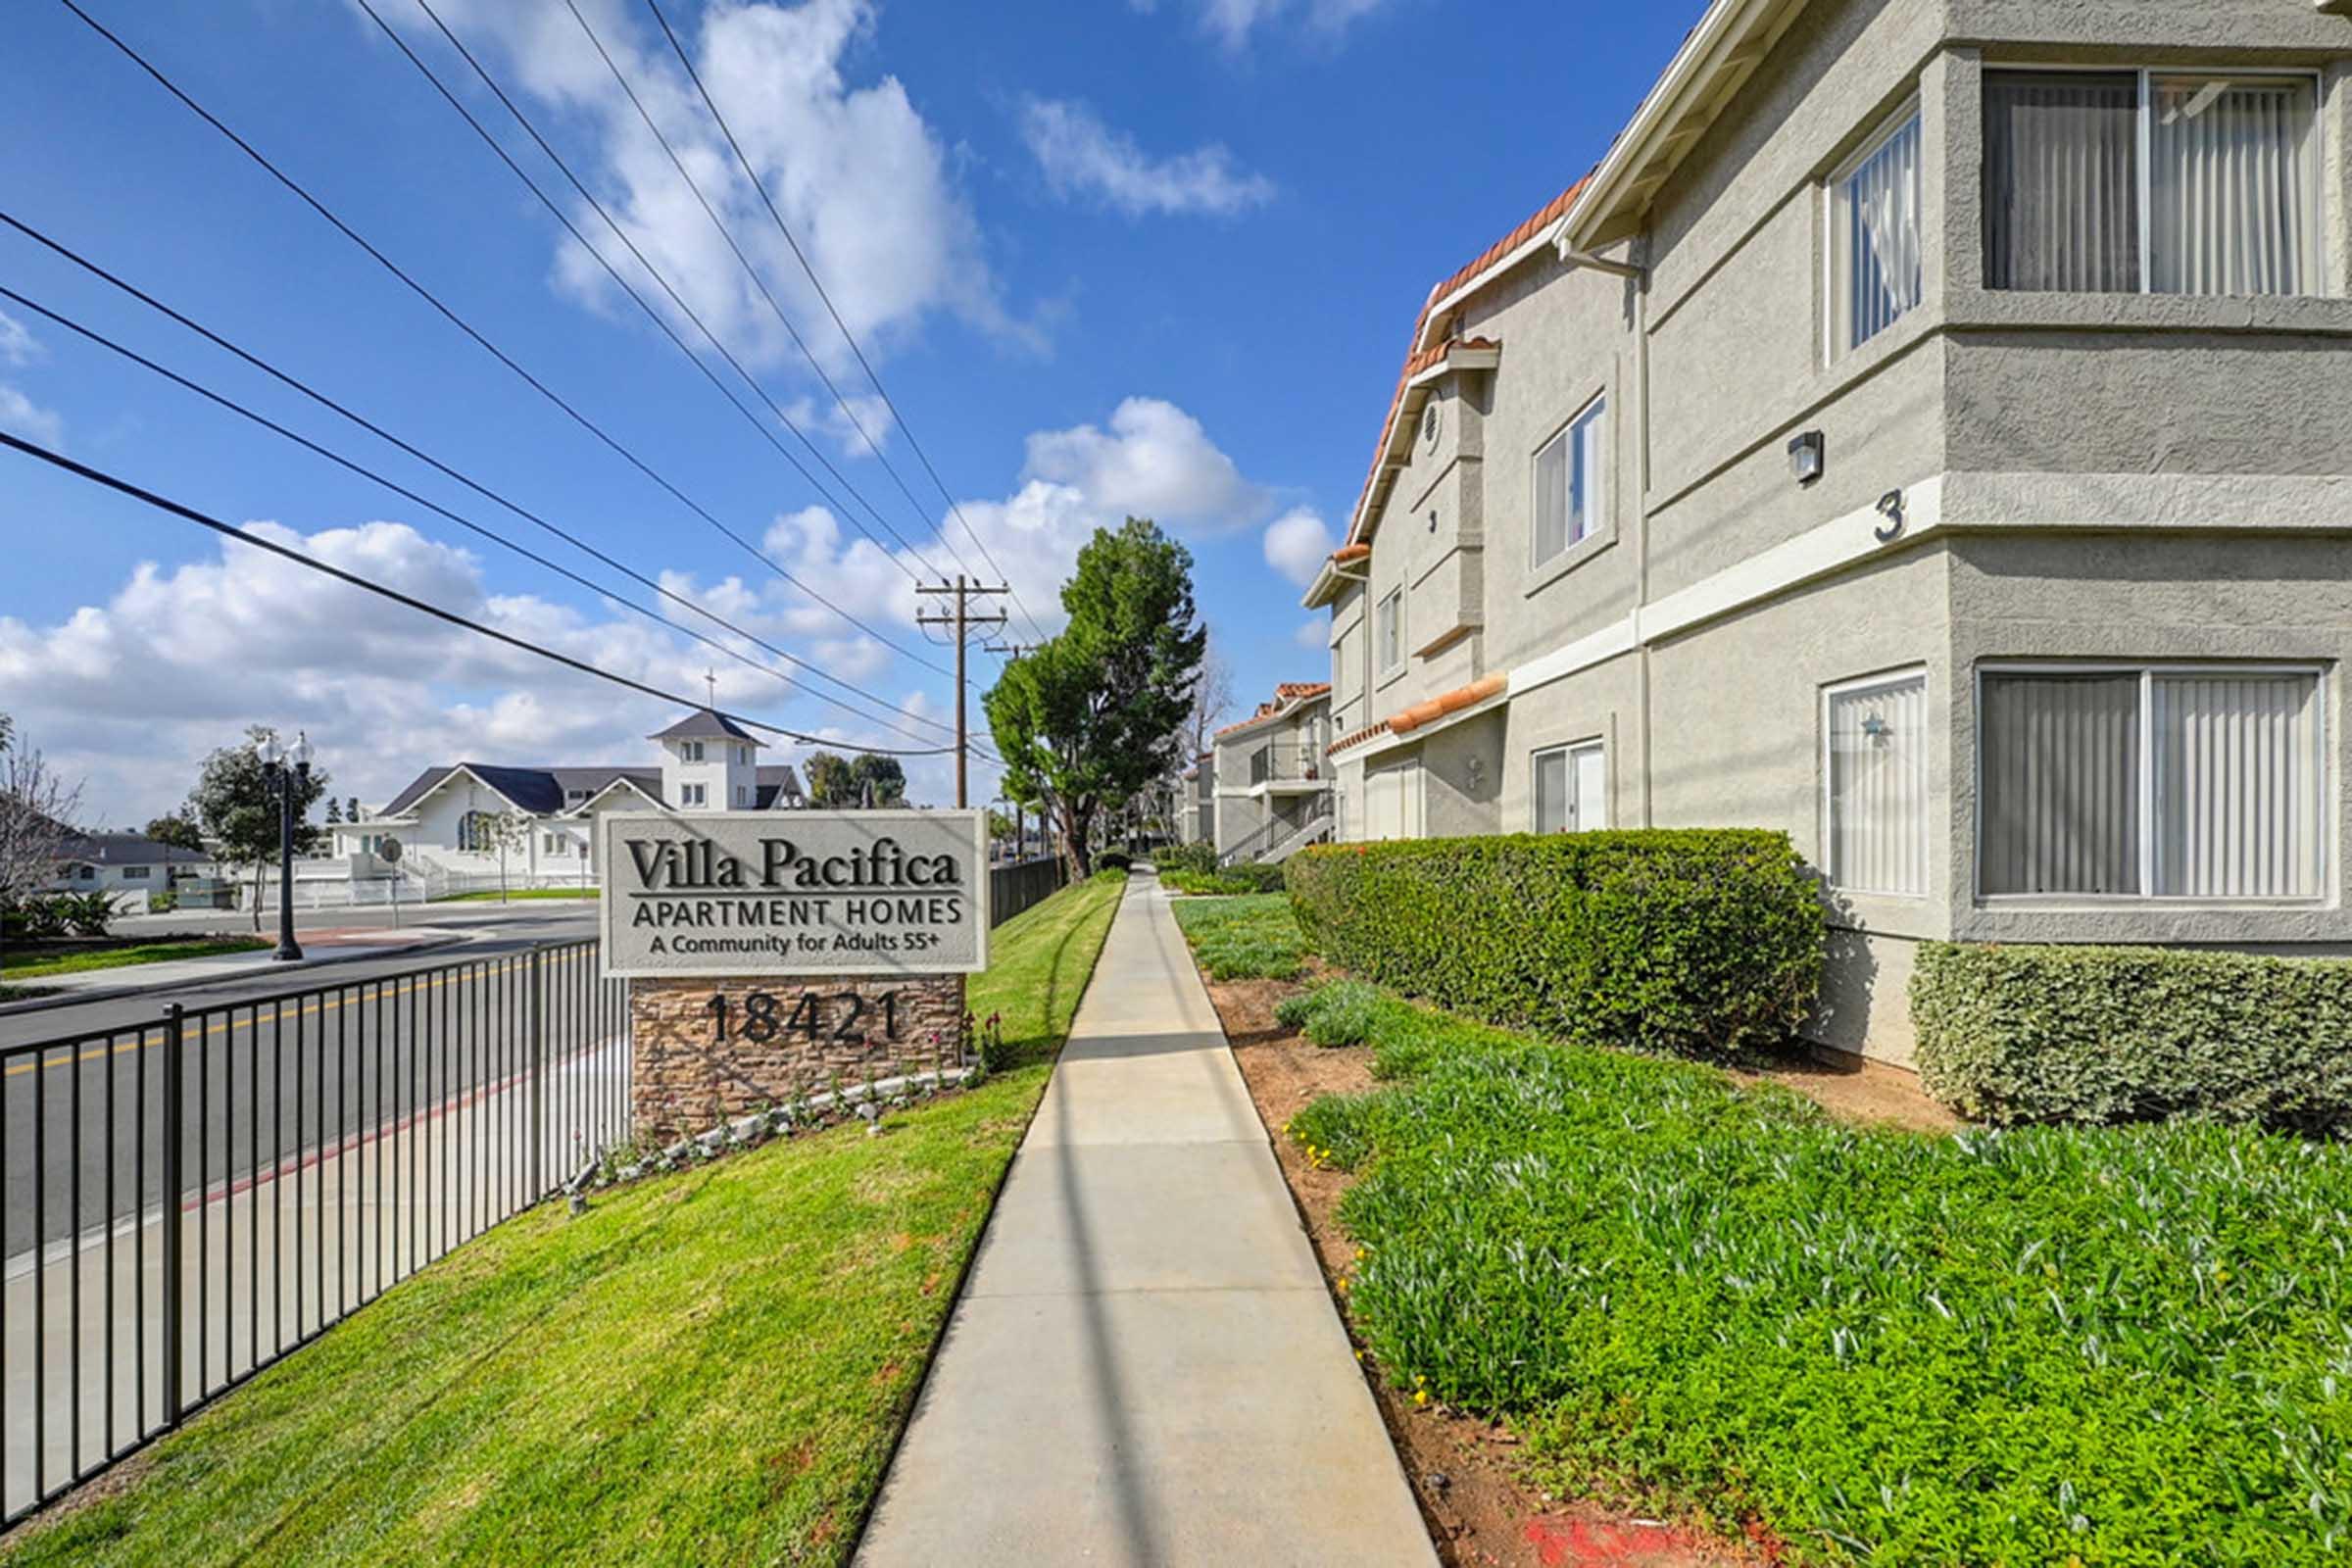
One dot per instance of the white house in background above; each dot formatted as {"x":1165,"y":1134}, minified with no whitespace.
{"x":129,"y":865}
{"x":445,"y":818}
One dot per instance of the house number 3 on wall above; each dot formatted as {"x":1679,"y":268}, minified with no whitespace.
{"x":762,"y":1017}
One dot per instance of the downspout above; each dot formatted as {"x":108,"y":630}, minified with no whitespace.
{"x":1636,"y":274}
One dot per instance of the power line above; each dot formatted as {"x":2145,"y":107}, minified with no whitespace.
{"x":849,"y":337}
{"x":188,"y":514}
{"x":775,"y":307}
{"x":449,"y":315}
{"x":123,"y":286}
{"x":468,"y":523}
{"x":963,"y":621}
{"x":650,"y":271}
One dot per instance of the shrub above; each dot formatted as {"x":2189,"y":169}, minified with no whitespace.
{"x":1201,"y":860}
{"x":1341,"y":1014}
{"x":36,"y":917}
{"x":1243,"y":938}
{"x":2043,"y":1346}
{"x":163,"y":902}
{"x":1114,"y":861}
{"x":2043,"y":1033}
{"x":88,"y":914}
{"x":1701,"y":942}
{"x":1204,"y":884}
{"x":1256,"y":878}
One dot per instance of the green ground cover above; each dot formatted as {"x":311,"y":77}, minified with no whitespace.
{"x":34,"y":967}
{"x":1253,"y":938}
{"x":2125,"y":1345}
{"x":517,"y":895}
{"x":706,"y":1367}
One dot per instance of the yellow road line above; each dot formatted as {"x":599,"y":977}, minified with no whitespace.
{"x":231,"y":1024}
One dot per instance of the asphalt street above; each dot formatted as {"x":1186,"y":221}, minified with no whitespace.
{"x":275,"y":1067}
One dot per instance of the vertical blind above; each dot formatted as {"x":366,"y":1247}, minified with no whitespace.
{"x":1568,"y":484}
{"x":2062,"y":181}
{"x":2228,"y":185}
{"x":2061,"y":784}
{"x":1877,"y":772}
{"x":1570,"y":788}
{"x":2230,"y":182}
{"x":1551,"y":498}
{"x":2236,"y":770}
{"x":1880,"y":264}
{"x":2237,"y":786}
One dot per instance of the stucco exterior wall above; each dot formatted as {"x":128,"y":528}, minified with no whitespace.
{"x":2081,"y":476}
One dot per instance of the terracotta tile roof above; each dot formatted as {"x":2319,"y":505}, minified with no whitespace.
{"x":1287,"y":696}
{"x":1350,"y":553}
{"x":1419,"y":358}
{"x":1429,"y":713}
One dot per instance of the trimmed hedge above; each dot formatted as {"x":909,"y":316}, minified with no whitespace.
{"x":1201,"y":860}
{"x":2063,"y":1034}
{"x":1697,"y":942}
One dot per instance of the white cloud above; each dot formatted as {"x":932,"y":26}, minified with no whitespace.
{"x":133,"y":692}
{"x":859,"y":437}
{"x":1297,"y":544}
{"x":1156,"y":462}
{"x":1233,"y":21}
{"x":18,"y":346}
{"x":21,"y":415}
{"x":1313,"y":635}
{"x":858,"y":172}
{"x":1082,"y":157}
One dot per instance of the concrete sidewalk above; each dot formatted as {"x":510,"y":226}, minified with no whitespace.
{"x":1144,"y":1366}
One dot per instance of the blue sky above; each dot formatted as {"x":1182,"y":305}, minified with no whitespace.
{"x":1121,"y":257}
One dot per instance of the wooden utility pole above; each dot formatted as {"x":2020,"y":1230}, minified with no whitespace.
{"x":962,"y":622}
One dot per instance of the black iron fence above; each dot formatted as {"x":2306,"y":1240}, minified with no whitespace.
{"x":186,"y":1201}
{"x":1023,"y":884}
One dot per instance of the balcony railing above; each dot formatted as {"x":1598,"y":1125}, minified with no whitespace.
{"x":1287,"y":765}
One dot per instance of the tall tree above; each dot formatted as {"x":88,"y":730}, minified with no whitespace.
{"x":885,"y":774}
{"x":233,"y":805}
{"x":1213,"y":700}
{"x":36,"y":811}
{"x":178,"y":831}
{"x":1094,"y":716}
{"x":830,"y":780}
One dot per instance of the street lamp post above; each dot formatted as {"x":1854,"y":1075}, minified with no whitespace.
{"x":287,"y":770}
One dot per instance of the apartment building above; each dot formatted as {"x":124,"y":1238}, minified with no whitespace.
{"x":1272,"y":776}
{"x":1928,"y":431}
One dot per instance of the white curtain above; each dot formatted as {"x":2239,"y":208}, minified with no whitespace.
{"x":1879,"y":788}
{"x":1551,"y":498}
{"x":1552,"y":792}
{"x":2229,"y":186}
{"x":2238,"y":780}
{"x":1883,"y":271}
{"x":2061,"y":784}
{"x":2062,"y":181}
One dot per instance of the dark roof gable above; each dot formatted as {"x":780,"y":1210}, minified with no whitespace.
{"x":705,"y":724}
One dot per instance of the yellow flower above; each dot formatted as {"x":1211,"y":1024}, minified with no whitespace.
{"x":1342,"y":1285}
{"x":1420,"y":1396}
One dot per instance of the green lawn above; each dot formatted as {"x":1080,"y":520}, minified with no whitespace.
{"x":517,"y":895}
{"x":1252,"y":938}
{"x":708,"y":1367}
{"x":123,"y":957}
{"x":2122,"y":1345}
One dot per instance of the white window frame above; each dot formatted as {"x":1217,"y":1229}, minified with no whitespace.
{"x":1393,"y":632}
{"x":1567,"y":750}
{"x":1829,"y":836}
{"x":692,"y":794}
{"x":1595,"y":408}
{"x":2323,"y":742}
{"x":2319,"y":286}
{"x":690,"y":751}
{"x":1836,"y":323}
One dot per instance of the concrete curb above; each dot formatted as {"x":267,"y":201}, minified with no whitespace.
{"x":76,"y":999}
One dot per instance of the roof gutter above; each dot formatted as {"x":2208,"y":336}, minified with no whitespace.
{"x":1328,"y":580}
{"x":1732,"y":36}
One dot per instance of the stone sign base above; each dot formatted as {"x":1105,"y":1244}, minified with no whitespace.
{"x":708,"y":1051}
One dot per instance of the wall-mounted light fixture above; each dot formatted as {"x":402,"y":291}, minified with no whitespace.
{"x":1477,"y":770}
{"x":1807,"y":456}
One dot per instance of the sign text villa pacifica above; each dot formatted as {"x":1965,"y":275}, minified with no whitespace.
{"x":775,"y":956}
